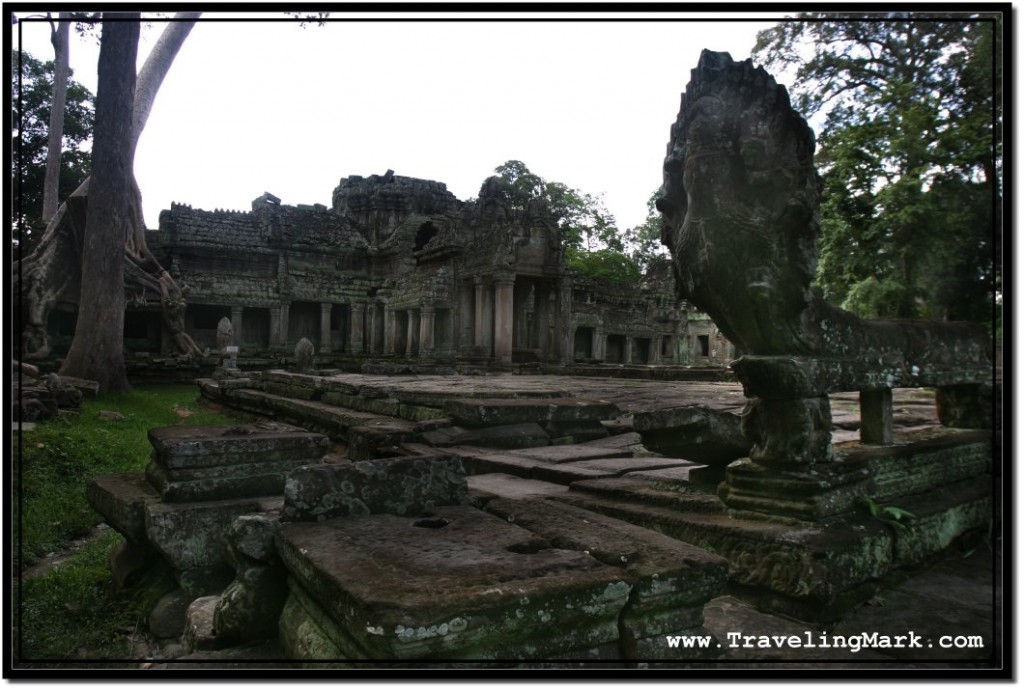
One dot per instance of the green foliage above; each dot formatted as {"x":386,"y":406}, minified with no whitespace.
{"x":69,"y":611}
{"x":604,"y":264}
{"x":57,"y":459}
{"x":595,"y":247}
{"x":910,"y":154}
{"x":644,"y":241}
{"x":892,"y":516}
{"x":31,"y":123}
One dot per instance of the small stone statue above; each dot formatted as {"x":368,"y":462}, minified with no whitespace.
{"x":225,"y":334}
{"x":304,"y":354}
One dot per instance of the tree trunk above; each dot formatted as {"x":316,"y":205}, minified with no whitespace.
{"x":52,"y":271}
{"x":97,"y":351}
{"x":55,"y":140}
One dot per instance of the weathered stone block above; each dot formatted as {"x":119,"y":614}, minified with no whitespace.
{"x":193,"y":538}
{"x":696,"y":433}
{"x":503,"y":411}
{"x":222,"y":482}
{"x":402,"y":486}
{"x":213,"y":445}
{"x":474,"y":587}
{"x":122,"y":501}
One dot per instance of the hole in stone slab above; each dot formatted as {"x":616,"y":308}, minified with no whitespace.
{"x":431,"y":522}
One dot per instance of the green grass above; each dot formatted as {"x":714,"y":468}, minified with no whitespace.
{"x":69,"y":612}
{"x":60,"y":456}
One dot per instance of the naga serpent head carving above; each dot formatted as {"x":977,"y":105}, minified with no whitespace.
{"x":740,"y":205}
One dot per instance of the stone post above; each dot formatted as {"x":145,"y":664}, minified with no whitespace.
{"x":504,"y":290}
{"x":563,"y":321}
{"x":599,"y":343}
{"x":627,"y":357}
{"x":409,"y":332}
{"x":426,"y":330}
{"x":276,"y":330}
{"x":389,"y":331}
{"x":521,"y":299}
{"x":542,"y":320}
{"x":325,"y":327}
{"x":236,"y":324}
{"x":876,"y":416}
{"x":356,"y":311}
{"x":478,"y":306}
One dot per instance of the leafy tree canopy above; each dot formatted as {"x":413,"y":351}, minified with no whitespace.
{"x":595,"y":246}
{"x":910,"y":154}
{"x":30,"y":120}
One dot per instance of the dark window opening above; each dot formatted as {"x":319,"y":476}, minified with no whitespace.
{"x":424,"y":235}
{"x":208,"y":316}
{"x":703,"y":342}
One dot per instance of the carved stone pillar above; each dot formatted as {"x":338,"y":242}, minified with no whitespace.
{"x":325,"y":327}
{"x":356,"y":315}
{"x":390,"y":326}
{"x":236,"y":324}
{"x":563,"y":322}
{"x":277,"y":329}
{"x":504,"y":290}
{"x":599,"y":344}
{"x":479,"y":312}
{"x":627,"y":357}
{"x":542,"y":320}
{"x":426,"y":331}
{"x":410,"y":333}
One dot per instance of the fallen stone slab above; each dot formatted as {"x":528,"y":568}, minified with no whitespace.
{"x":671,"y":581}
{"x":520,"y":435}
{"x":473,"y":587}
{"x":694,"y":432}
{"x":401,"y":486}
{"x":685,"y":473}
{"x":122,"y":501}
{"x":490,"y":485}
{"x":621,"y":466}
{"x":500,"y":411}
{"x":217,"y":445}
{"x":566,"y":453}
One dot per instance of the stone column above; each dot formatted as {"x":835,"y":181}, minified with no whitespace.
{"x":504,"y":290}
{"x":478,"y":310}
{"x":426,"y":330}
{"x":521,"y":299}
{"x":598,"y":344}
{"x":276,"y":332}
{"x":465,"y":318}
{"x":356,"y":312}
{"x":627,"y":357}
{"x":542,"y":319}
{"x":236,"y":325}
{"x":409,"y":332}
{"x":563,"y":321}
{"x":325,"y":327}
{"x":389,"y":331}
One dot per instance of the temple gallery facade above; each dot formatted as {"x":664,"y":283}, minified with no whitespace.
{"x":398,"y":267}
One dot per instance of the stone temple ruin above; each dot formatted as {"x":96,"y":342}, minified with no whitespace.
{"x":400,"y":270}
{"x":429,"y":516}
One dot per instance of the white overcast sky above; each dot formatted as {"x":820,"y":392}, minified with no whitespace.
{"x":253,"y":106}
